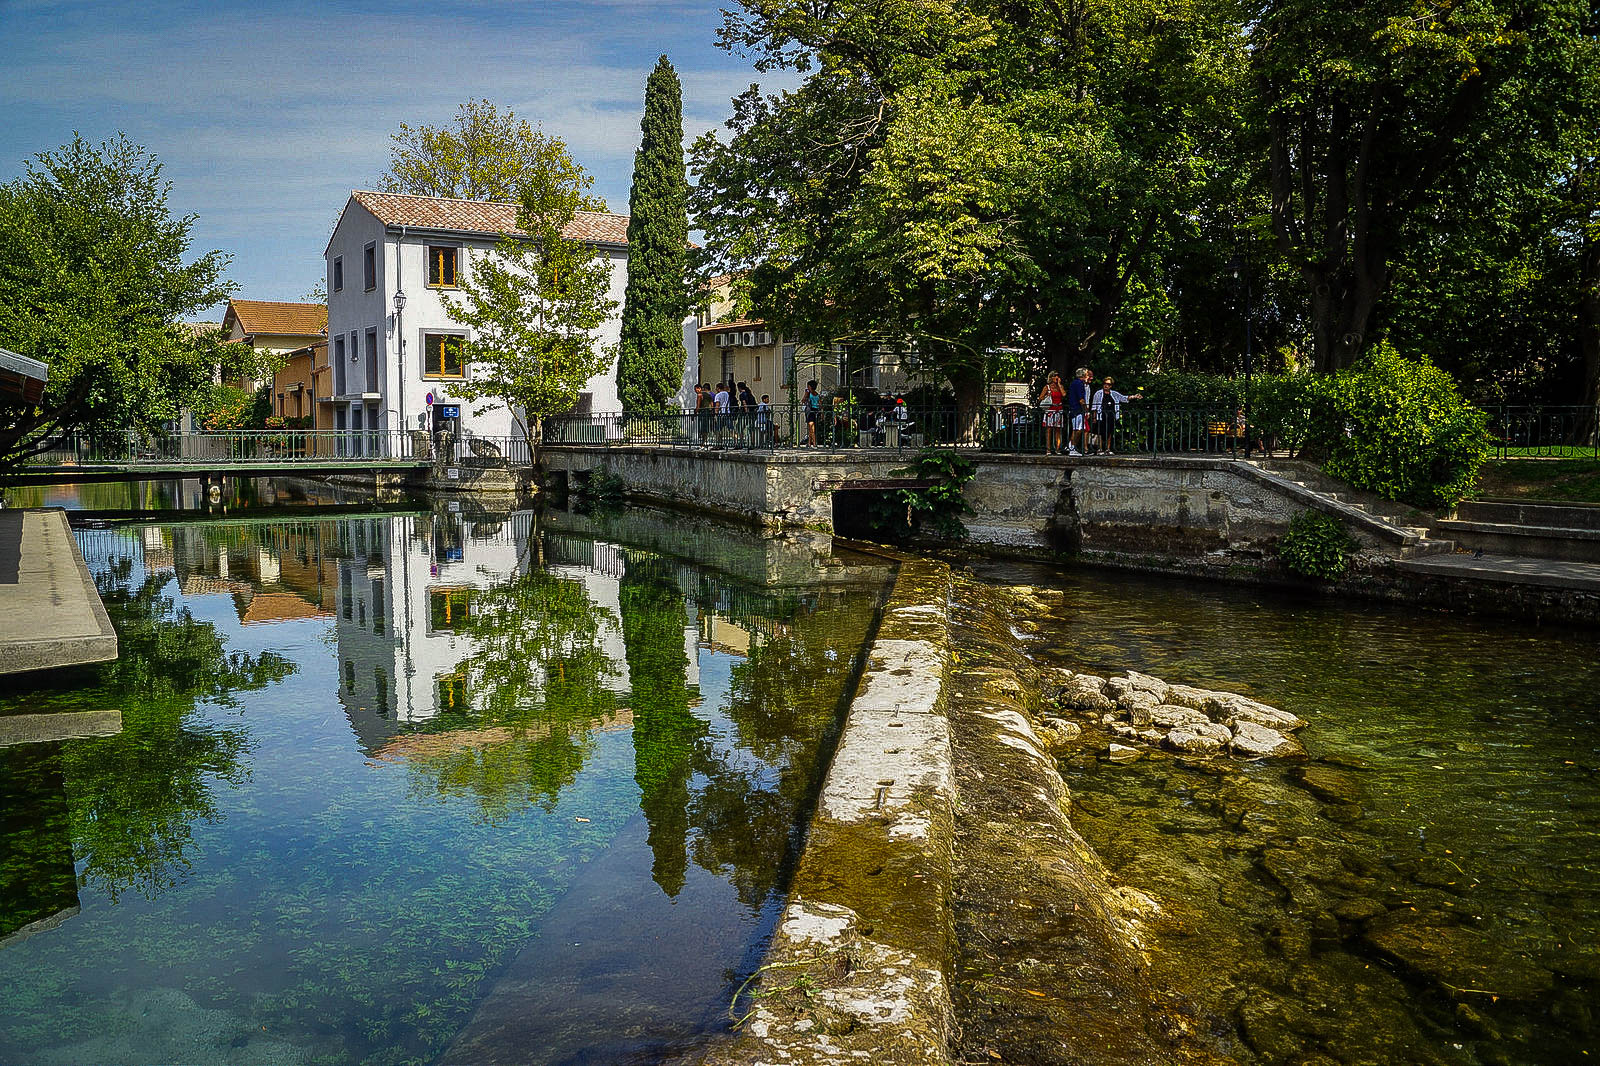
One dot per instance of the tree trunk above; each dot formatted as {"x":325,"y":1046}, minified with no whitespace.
{"x":968,"y":387}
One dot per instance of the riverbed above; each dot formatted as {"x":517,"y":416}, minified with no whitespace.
{"x":446,"y":785}
{"x":1425,"y":888}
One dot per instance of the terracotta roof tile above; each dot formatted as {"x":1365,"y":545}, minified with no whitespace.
{"x":738,"y":323}
{"x":272,"y":316}
{"x":480,"y":216}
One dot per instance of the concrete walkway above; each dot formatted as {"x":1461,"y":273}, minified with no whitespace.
{"x":1510,"y":570}
{"x":50,"y":611}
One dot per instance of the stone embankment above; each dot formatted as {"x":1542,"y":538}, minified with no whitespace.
{"x":944,"y":909}
{"x":1145,"y":710}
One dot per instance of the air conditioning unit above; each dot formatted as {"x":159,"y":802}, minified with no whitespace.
{"x":723,"y":340}
{"x":749,"y":338}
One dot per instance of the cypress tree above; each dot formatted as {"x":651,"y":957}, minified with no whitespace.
{"x":651,"y":356}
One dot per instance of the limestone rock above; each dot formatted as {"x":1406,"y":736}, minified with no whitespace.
{"x":1180,"y":739}
{"x":1233,"y":708}
{"x":1136,"y":701}
{"x":1172,"y":716}
{"x":1258,"y":741}
{"x":1123,"y":753}
{"x":1085,"y":692}
{"x":1457,"y":957}
{"x":1195,"y":699}
{"x":1145,"y":683}
{"x":1328,"y":785}
{"x":1058,"y":734}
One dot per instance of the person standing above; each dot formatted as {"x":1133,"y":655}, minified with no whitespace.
{"x":1108,"y":408}
{"x":1078,"y":408}
{"x":813,"y":405}
{"x":764,"y":421}
{"x":723,"y":404}
{"x":1054,"y":400}
{"x":703,"y":398}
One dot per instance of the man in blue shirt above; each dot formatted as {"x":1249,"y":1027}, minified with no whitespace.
{"x":1078,"y":408}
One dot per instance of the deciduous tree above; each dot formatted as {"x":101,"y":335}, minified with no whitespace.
{"x":485,"y":155}
{"x":534,"y":304}
{"x":93,"y":282}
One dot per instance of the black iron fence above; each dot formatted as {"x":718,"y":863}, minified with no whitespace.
{"x":1545,"y":432}
{"x":1017,"y":429}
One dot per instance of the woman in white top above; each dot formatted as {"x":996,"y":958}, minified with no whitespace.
{"x":1106,"y":407}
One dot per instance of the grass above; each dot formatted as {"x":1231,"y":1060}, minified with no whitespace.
{"x":1559,"y":480}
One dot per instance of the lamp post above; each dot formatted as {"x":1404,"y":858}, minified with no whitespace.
{"x":400,"y":366}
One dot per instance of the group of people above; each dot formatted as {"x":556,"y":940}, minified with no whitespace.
{"x":732,"y":408}
{"x":1093,"y":415}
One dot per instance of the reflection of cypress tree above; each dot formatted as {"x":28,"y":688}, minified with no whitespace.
{"x":664,"y":731}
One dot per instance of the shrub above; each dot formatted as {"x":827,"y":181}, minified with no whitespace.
{"x":1400,"y":428}
{"x":940,"y":506}
{"x":1316,"y":546}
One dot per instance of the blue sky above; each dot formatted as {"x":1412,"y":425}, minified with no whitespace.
{"x":266,"y":115}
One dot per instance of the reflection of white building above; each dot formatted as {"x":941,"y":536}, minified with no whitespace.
{"x":409,"y":588}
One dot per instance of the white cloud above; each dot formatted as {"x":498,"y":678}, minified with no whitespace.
{"x":266,"y":118}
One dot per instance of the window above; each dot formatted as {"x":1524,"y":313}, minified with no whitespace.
{"x":452,"y":693}
{"x":372,"y":362}
{"x":441,"y":267}
{"x":788,"y":362}
{"x":442,"y":355}
{"x":758,"y":369}
{"x":369,"y":267}
{"x":337,"y":281}
{"x":338,"y":366}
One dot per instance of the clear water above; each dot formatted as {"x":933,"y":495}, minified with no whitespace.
{"x":433,"y":787}
{"x":1426,"y":889}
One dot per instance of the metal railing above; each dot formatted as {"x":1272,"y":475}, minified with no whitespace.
{"x":233,"y":446}
{"x":1545,"y":432}
{"x":1015,"y":429}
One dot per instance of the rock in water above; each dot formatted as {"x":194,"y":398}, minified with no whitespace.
{"x":1145,"y":683}
{"x":1085,"y":692}
{"x":1180,"y":739}
{"x":1123,"y":753}
{"x":1258,"y":741}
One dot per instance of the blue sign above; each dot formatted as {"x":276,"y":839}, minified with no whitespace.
{"x":453,"y":411}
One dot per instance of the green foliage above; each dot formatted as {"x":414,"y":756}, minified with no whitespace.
{"x":603,"y":488}
{"x":486,"y":155}
{"x":93,"y":281}
{"x":961,"y":178}
{"x":904,"y":512}
{"x":1400,"y":428}
{"x":534,"y":304}
{"x":651,"y":354}
{"x":666,"y":733}
{"x":1316,"y":545}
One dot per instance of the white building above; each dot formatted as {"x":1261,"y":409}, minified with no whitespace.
{"x":386,"y":359}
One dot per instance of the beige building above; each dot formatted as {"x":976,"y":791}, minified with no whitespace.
{"x":303,"y":388}
{"x":735,"y":349}
{"x":274,"y":326}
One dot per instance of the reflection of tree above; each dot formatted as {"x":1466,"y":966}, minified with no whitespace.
{"x":134,"y":796}
{"x":665,"y":733}
{"x":536,"y":685}
{"x":783,"y":701}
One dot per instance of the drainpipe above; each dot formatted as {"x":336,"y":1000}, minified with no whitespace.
{"x":400,"y":345}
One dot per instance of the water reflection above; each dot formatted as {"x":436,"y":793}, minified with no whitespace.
{"x":366,"y":761}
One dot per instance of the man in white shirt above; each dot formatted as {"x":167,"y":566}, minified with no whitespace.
{"x":722,"y":403}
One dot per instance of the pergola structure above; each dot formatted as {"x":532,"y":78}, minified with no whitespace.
{"x":22,"y":380}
